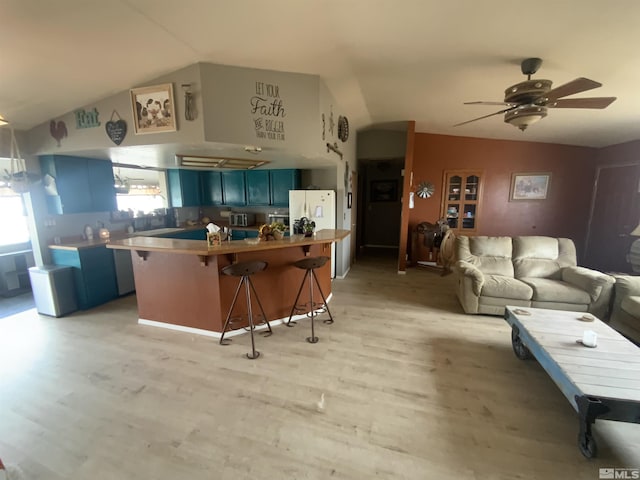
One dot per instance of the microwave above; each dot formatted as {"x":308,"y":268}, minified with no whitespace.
{"x":242,"y":219}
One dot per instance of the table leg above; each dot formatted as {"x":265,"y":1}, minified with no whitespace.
{"x":519,"y":348}
{"x":589,"y":409}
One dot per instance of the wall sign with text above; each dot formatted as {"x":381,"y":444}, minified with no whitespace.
{"x":268,"y":111}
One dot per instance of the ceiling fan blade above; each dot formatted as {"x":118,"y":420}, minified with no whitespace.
{"x":488,"y":103}
{"x":591,"y":102}
{"x":574,"y":86}
{"x":486,"y":116}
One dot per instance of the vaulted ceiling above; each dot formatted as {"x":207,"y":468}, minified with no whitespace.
{"x":384,"y":60}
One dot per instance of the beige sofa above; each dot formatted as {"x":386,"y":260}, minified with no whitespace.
{"x":625,"y":314}
{"x":532,"y":271}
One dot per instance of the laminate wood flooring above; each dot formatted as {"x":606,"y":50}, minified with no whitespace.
{"x":413,"y":389}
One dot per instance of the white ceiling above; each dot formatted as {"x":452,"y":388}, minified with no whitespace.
{"x":384,"y":60}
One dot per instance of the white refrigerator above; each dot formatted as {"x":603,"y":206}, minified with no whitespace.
{"x":318,"y":206}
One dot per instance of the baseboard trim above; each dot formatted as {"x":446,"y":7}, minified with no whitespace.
{"x":230,"y":333}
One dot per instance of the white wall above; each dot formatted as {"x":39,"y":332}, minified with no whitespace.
{"x":40,"y":140}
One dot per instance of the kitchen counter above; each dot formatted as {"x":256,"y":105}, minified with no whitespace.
{"x":196,"y":247}
{"x":179,"y":284}
{"x":116,"y":236}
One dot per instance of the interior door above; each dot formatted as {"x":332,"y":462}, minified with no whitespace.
{"x":614,"y":213}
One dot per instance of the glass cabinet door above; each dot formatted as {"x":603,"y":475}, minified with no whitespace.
{"x":460,"y":207}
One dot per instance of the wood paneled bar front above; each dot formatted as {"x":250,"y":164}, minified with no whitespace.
{"x":179,"y":284}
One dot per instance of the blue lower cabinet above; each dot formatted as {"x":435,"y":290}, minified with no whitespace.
{"x":238,"y":234}
{"x":94,"y":274}
{"x":198,"y":234}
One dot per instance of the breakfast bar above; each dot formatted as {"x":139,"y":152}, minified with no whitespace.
{"x":179,"y":285}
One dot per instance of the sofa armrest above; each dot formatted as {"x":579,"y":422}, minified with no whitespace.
{"x":627,"y":285}
{"x":591,"y":281}
{"x":472,"y":272}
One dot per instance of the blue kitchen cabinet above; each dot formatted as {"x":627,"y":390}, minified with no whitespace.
{"x":83,"y":184}
{"x":233,"y":188}
{"x":239,"y":234}
{"x":184,"y":187}
{"x":258,"y":187}
{"x":280,"y":182}
{"x":211,"y":188}
{"x":94,"y":274}
{"x":198,"y":234}
{"x":101,"y":184}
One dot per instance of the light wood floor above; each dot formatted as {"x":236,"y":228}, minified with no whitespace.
{"x":413,"y":389}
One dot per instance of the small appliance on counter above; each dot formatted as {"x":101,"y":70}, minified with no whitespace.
{"x":279,"y":218}
{"x":242,"y":219}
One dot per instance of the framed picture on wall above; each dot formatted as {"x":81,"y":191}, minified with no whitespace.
{"x":529,"y":186}
{"x":384,"y":191}
{"x":153,"y":109}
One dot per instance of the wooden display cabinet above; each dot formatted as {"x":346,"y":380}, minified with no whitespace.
{"x":461,"y":200}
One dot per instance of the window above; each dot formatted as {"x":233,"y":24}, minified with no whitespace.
{"x":140,"y":202}
{"x":13,"y":219}
{"x":141,"y":191}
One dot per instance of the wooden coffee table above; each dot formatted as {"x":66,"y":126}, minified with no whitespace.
{"x":601,"y":382}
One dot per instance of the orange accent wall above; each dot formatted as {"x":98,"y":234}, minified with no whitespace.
{"x":564,"y":213}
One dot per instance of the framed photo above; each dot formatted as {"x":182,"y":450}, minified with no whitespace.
{"x":384,"y":191}
{"x":529,"y":186}
{"x":153,"y":109}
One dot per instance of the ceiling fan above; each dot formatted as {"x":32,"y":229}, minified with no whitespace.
{"x":121,"y":183}
{"x":527,"y":102}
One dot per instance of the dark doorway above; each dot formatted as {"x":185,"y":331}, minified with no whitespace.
{"x":614,"y":214}
{"x":380,"y":203}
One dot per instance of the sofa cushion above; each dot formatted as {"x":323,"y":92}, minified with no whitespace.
{"x":542,"y":257}
{"x":492,"y":255}
{"x":631,"y":305}
{"x":505,"y":287}
{"x":548,"y":290}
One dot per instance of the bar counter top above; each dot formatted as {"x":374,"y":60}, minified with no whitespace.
{"x":199,"y":247}
{"x":179,"y":284}
{"x":115,"y":236}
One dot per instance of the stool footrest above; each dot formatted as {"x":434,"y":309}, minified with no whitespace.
{"x":306,"y":308}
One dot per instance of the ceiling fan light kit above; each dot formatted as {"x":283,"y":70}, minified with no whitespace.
{"x":527,"y":102}
{"x":525,"y":115}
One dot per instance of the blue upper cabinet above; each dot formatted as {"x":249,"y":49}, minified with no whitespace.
{"x":233,"y":188}
{"x":211,"y":188}
{"x":101,"y":184}
{"x":258,"y":187}
{"x":83,"y":184}
{"x":281,"y":181}
{"x":190,"y":188}
{"x":184,"y":188}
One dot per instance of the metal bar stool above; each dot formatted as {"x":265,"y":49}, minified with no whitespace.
{"x":245,"y":270}
{"x":310,"y":264}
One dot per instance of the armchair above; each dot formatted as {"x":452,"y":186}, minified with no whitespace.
{"x":625,"y":312}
